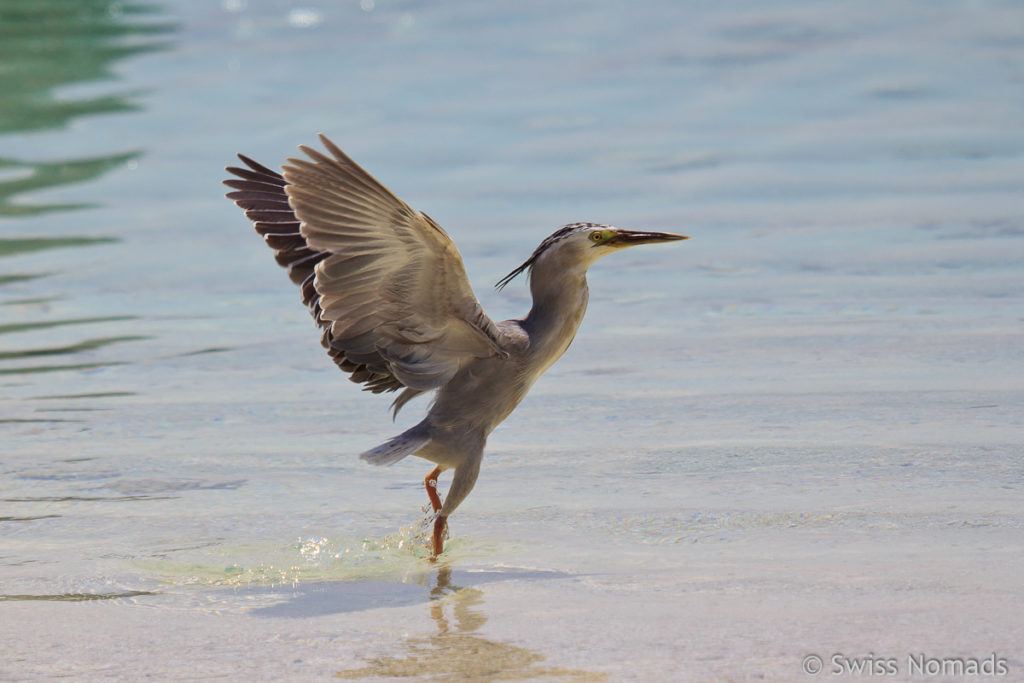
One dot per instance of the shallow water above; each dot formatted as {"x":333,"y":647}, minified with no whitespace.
{"x":798,"y":433}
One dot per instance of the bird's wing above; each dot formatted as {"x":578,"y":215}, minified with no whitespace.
{"x":384,"y":281}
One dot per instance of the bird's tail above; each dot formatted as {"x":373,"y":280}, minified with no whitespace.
{"x":393,"y":450}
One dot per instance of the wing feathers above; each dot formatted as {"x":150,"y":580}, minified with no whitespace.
{"x":255,"y":171}
{"x":385,"y":282}
{"x":282,"y":227}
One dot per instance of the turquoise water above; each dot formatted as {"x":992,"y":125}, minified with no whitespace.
{"x":799,"y":432}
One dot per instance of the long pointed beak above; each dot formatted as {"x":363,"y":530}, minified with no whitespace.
{"x":628,"y":238}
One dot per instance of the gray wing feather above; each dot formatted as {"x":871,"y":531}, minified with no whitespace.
{"x":392,"y":288}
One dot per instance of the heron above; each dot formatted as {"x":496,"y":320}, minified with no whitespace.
{"x":388,"y":289}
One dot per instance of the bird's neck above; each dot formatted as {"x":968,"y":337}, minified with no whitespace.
{"x":559,"y":301}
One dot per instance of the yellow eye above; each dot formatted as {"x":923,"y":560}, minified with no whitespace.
{"x":597,"y":237}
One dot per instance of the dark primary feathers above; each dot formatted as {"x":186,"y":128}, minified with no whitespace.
{"x":384,"y":282}
{"x":260,"y":192}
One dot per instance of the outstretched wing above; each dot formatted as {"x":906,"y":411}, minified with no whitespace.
{"x":385,"y":282}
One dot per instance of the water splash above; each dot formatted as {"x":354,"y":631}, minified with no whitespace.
{"x":305,"y":560}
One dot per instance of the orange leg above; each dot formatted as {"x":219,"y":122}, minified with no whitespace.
{"x":439,"y":525}
{"x":431,"y":484}
{"x":435,"y":502}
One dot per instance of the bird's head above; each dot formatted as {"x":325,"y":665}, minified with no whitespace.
{"x":580,"y":244}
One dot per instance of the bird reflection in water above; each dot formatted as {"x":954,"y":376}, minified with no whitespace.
{"x":456,"y":652}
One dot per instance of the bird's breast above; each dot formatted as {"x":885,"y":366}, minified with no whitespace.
{"x":482,"y":394}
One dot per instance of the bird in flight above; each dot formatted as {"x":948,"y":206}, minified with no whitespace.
{"x":388,"y":289}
